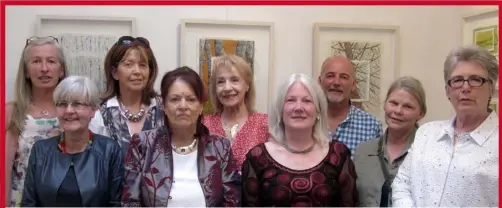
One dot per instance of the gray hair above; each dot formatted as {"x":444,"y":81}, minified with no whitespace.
{"x":413,"y":87}
{"x":275,"y":120}
{"x":473,"y":54}
{"x":23,"y":91}
{"x":77,"y":88}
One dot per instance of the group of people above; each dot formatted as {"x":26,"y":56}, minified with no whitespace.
{"x":68,"y":144}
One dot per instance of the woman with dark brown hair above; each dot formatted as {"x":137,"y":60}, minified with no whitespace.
{"x":130,"y":103}
{"x":182,"y":150}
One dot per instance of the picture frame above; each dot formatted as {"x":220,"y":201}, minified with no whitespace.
{"x":482,"y":21}
{"x":214,"y":32}
{"x":359,"y":42}
{"x":85,"y":41}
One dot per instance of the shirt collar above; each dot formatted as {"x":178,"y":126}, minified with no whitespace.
{"x":409,"y":141}
{"x":479,"y":135}
{"x":114,"y":102}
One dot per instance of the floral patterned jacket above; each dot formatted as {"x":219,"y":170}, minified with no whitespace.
{"x":149,"y":170}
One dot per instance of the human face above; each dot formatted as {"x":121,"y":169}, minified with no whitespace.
{"x":133,"y":71}
{"x":231,"y":88}
{"x":299,"y":110}
{"x":74,"y":115}
{"x":337,"y":80}
{"x":44,"y":68}
{"x":467,"y":99}
{"x":402,"y":110}
{"x":181,"y":105}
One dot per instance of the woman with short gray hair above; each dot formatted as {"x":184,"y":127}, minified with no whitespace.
{"x":299,"y":165}
{"x":455,"y":163}
{"x":77,"y":168}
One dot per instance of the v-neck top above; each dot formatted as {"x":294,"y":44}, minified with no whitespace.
{"x":253,"y":132}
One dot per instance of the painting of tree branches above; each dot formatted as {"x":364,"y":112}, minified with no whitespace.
{"x":366,"y":57}
{"x":85,"y":55}
{"x":211,"y":48}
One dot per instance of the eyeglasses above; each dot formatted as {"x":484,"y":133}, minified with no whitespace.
{"x":77,"y":105}
{"x":128,"y":40}
{"x":473,"y":81}
{"x":33,"y":38}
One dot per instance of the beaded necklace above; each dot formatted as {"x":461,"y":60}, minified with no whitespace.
{"x":62,"y":145}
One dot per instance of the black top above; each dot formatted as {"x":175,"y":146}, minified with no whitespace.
{"x":68,"y":193}
{"x":94,"y":180}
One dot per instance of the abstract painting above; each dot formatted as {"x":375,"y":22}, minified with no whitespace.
{"x":366,"y":58}
{"x":85,"y":55}
{"x":212,"y":48}
{"x":487,"y":38}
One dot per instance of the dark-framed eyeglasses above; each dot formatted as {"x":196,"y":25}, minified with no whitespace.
{"x":473,"y":81}
{"x":33,"y":38}
{"x":128,"y":40}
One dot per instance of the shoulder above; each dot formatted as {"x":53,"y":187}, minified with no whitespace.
{"x":339,"y":147}
{"x":430,"y":130}
{"x":210,"y":118}
{"x":367,"y":147}
{"x":9,"y":109}
{"x":260,"y":116}
{"x":364,"y":116}
{"x":217,"y":140}
{"x":105,"y":141}
{"x":45,"y":145}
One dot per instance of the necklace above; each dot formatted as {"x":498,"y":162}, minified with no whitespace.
{"x":133,"y":117}
{"x":305,"y":151}
{"x":185,"y":149}
{"x":44,"y":112}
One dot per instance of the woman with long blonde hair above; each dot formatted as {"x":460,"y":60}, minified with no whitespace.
{"x":32,"y":115}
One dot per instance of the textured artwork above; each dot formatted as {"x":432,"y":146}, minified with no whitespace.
{"x":85,"y":55}
{"x":212,"y":48}
{"x":366,"y":57}
{"x":487,"y":37}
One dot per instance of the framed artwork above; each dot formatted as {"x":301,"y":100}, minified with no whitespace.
{"x":494,"y":105}
{"x":85,"y":41}
{"x":481,"y":28}
{"x":201,"y":41}
{"x":374,"y":53}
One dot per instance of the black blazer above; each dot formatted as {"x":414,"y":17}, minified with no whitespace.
{"x":99,"y":173}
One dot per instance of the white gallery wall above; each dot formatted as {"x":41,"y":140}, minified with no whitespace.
{"x":427,"y":34}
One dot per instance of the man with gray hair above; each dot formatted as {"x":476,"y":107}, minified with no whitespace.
{"x":347,"y":123}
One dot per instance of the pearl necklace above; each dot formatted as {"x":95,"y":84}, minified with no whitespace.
{"x":132,"y":117}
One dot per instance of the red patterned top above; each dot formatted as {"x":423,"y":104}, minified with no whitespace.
{"x":252,"y":133}
{"x":331,"y":183}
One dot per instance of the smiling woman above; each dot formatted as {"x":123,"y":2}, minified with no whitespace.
{"x":63,"y":170}
{"x":130,"y":103}
{"x":32,"y":115}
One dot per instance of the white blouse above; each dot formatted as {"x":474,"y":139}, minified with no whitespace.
{"x":437,"y":174}
{"x":186,"y":190}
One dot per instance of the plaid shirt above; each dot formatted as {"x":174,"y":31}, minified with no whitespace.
{"x":359,"y":126}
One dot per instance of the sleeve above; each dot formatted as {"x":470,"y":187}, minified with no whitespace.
{"x":250,"y":186}
{"x":347,"y":180}
{"x":133,"y":163}
{"x":97,"y":124}
{"x":29,"y":197}
{"x":116,"y":176}
{"x":231,"y":179}
{"x":401,"y":190}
